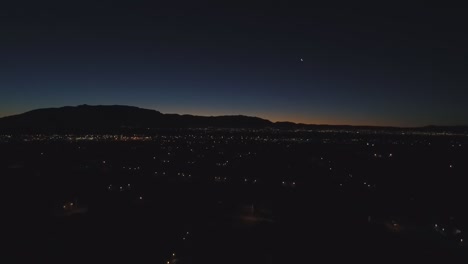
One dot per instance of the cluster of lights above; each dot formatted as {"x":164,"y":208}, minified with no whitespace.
{"x":131,"y":168}
{"x":121,"y":188}
{"x":377,"y":155}
{"x":172,"y":258}
{"x":220,"y":179}
{"x":252,"y":181}
{"x":68,"y":206}
{"x":224,"y":164}
{"x":184,"y":174}
{"x":288,"y":184}
{"x":365,"y":183}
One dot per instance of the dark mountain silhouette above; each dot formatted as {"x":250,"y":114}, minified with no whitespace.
{"x":118,"y":118}
{"x":85,"y":118}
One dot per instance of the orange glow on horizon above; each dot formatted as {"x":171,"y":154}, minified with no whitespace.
{"x":295,"y":118}
{"x":274,"y":117}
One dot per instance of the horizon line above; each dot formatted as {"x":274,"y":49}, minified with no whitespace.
{"x":254,"y":116}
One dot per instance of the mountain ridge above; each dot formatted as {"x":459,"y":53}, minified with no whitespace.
{"x":101,"y":118}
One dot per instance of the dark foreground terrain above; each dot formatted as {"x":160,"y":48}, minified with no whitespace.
{"x":234,"y":196}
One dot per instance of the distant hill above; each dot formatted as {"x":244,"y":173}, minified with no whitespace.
{"x":117,"y":118}
{"x":86,"y":118}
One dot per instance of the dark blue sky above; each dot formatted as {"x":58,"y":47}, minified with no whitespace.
{"x":372,"y":65}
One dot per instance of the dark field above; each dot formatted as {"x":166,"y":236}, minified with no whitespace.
{"x":234,"y":197}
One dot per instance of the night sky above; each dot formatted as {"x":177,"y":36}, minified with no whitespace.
{"x":365,"y":65}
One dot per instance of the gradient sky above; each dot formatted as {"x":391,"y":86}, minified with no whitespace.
{"x":382,"y":65}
